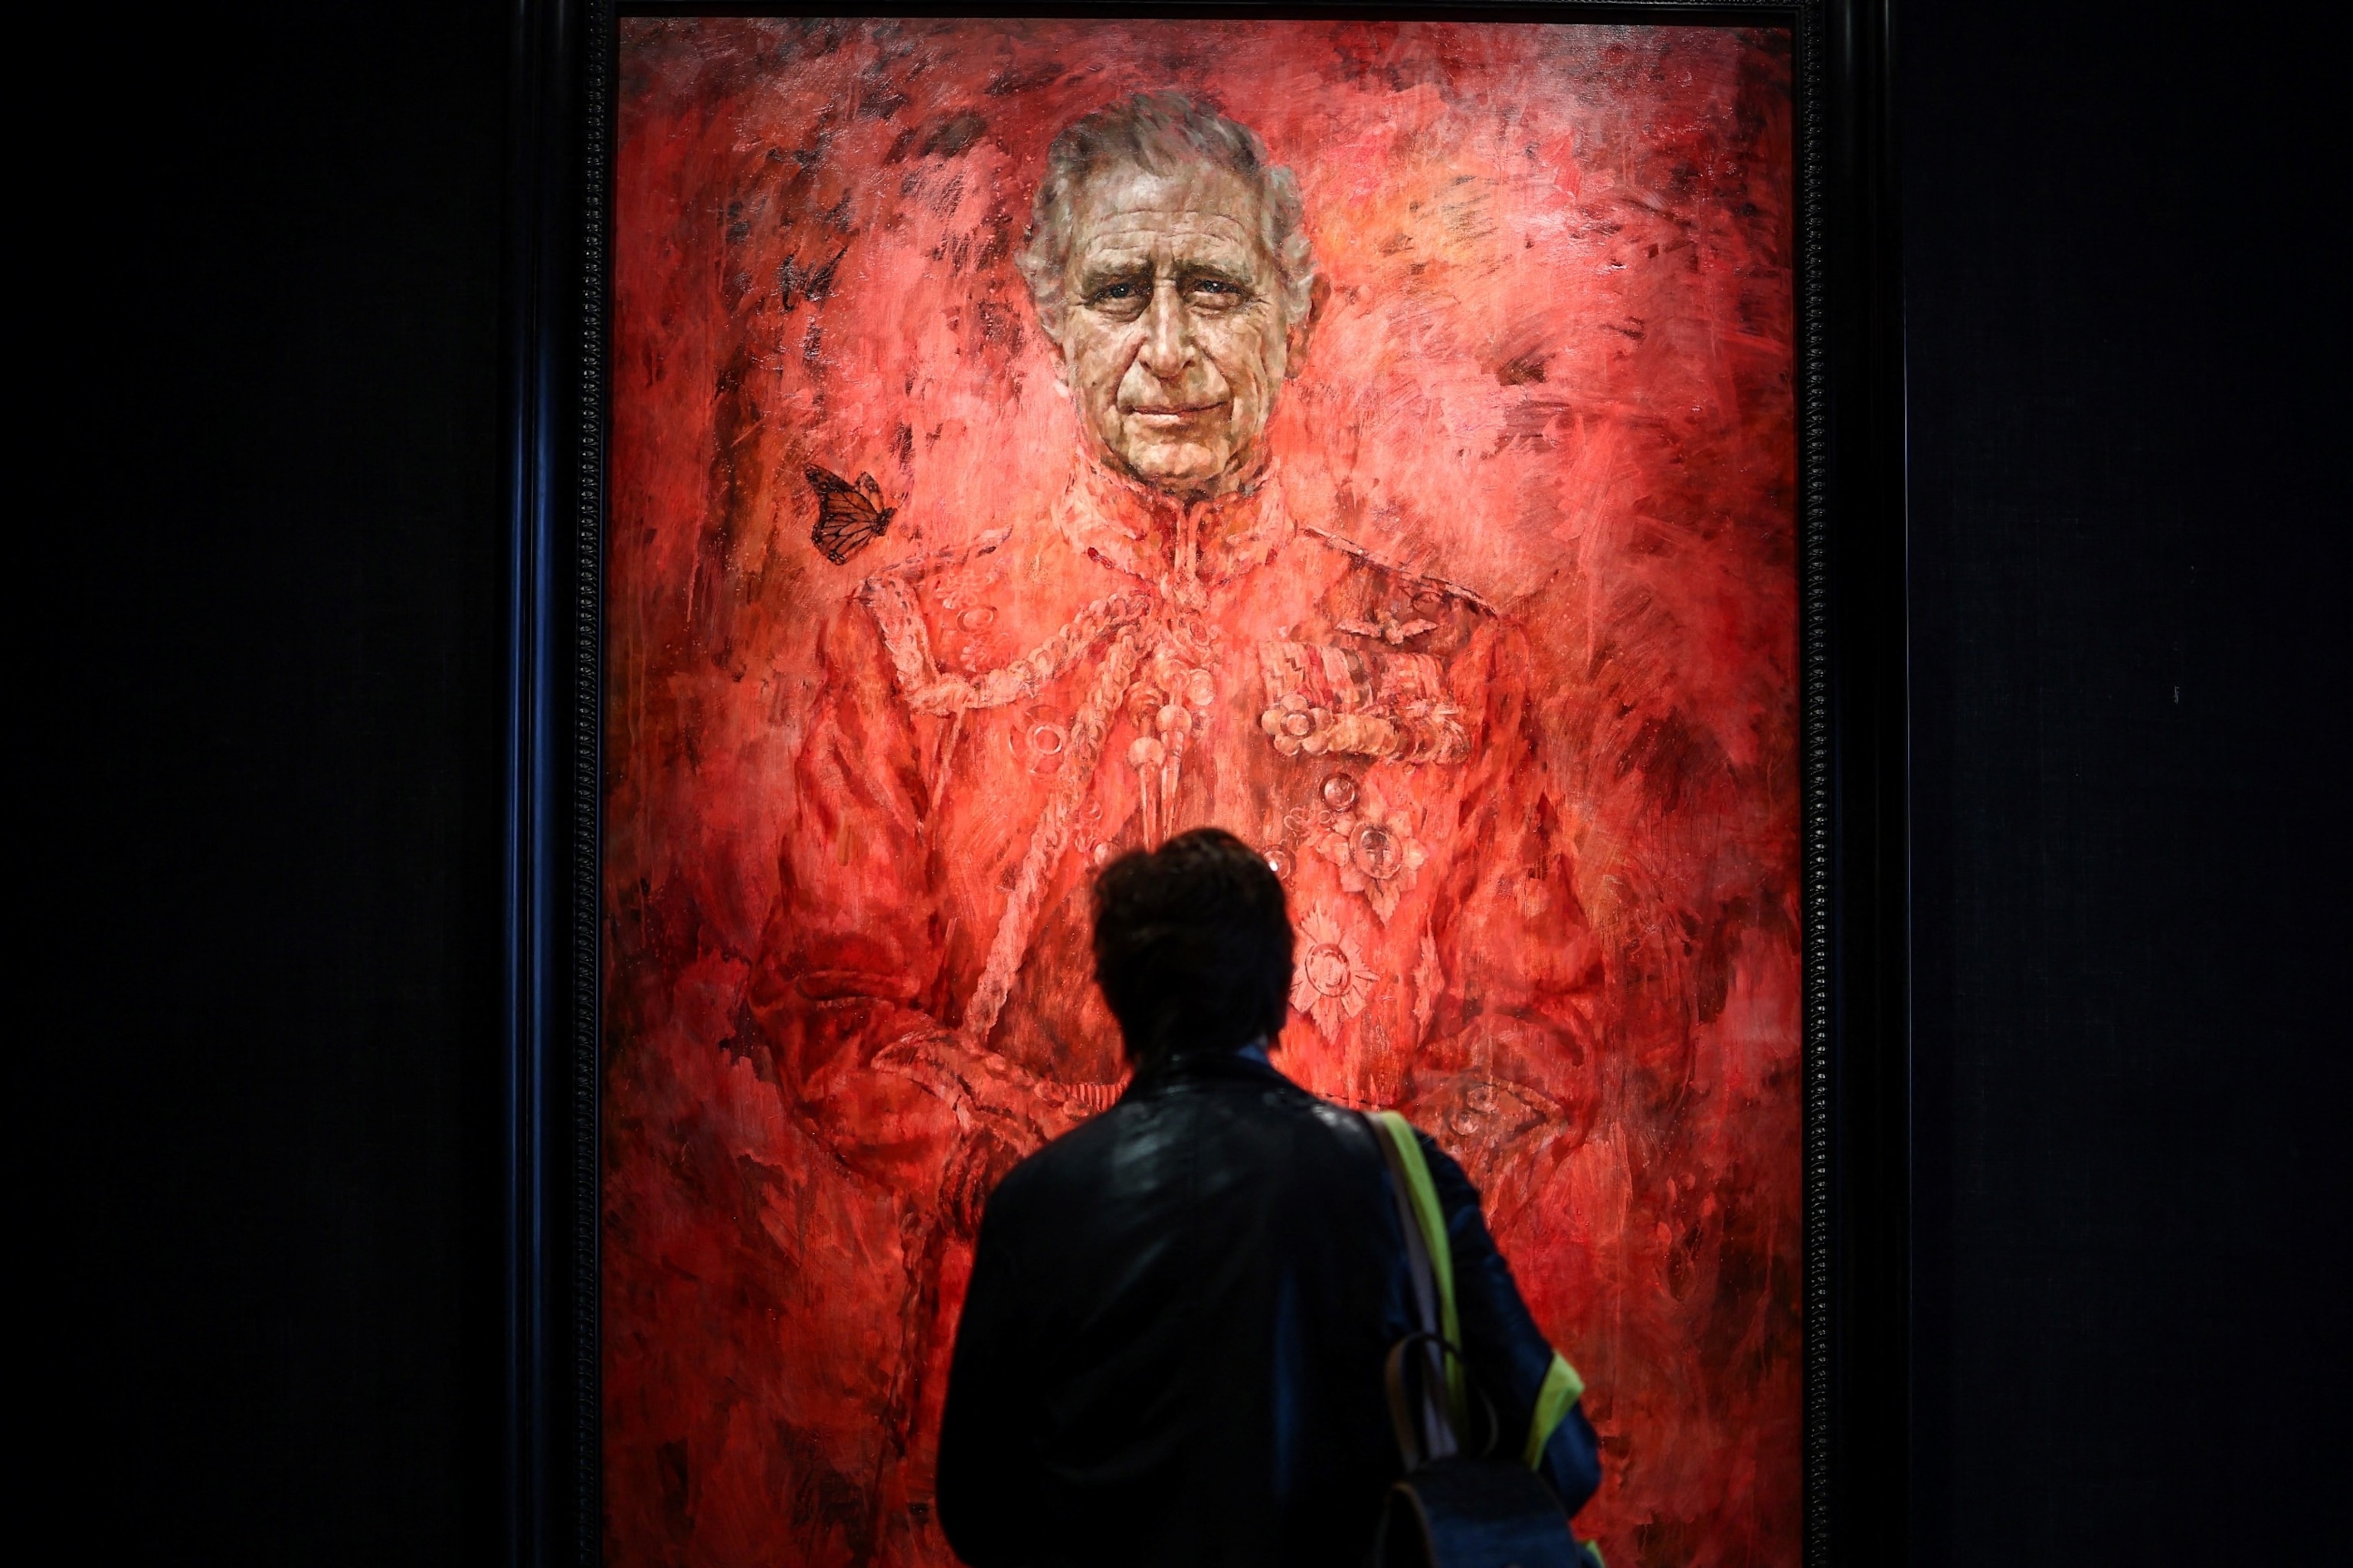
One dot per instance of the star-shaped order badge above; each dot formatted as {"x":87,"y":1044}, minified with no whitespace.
{"x":1333,"y":982}
{"x":1375,"y":847}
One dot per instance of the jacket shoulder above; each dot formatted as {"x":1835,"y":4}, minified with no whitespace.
{"x":1410,"y":581}
{"x":1346,"y":1127}
{"x":1456,"y":1191}
{"x":1072,"y":1162}
{"x":1132,"y":1135}
{"x":926,"y":565}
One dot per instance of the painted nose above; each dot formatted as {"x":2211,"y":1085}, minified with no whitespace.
{"x":1168,"y":332}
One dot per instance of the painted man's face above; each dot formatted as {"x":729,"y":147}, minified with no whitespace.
{"x":1174,"y":340}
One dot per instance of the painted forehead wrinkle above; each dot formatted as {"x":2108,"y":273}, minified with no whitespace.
{"x":1189,"y":217}
{"x":1138,"y":242}
{"x":1112,"y":191}
{"x":1129,"y":235}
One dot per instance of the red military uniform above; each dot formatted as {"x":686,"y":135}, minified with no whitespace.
{"x":994,"y":723}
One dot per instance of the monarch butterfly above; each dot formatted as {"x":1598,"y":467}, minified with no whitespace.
{"x":848,"y":516}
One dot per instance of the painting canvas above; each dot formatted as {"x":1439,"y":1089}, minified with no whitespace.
{"x":1435,"y":530}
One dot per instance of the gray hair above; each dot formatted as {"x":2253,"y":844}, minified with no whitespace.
{"x":1160,"y":132}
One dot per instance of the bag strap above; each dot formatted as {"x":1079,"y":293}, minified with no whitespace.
{"x":1431,"y":1258}
{"x":1560,"y":1390}
{"x":1430,"y":1261}
{"x":1421,"y":1429}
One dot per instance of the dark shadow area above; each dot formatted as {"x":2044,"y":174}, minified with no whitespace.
{"x":267,"y":246}
{"x":2129,"y":738}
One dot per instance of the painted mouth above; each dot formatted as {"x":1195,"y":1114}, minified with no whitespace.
{"x":1175,"y":415}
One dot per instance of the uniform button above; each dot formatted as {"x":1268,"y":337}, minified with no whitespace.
{"x":1040,"y":741}
{"x":1327,"y":969}
{"x":1374,"y":851}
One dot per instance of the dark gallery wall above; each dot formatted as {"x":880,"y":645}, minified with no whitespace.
{"x":265,"y":681}
{"x":264,"y":256}
{"x":2125,"y":339}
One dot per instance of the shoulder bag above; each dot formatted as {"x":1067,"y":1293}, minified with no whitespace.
{"x":1454,"y":1509}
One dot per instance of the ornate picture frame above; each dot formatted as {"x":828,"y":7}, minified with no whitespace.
{"x":1850,"y":727}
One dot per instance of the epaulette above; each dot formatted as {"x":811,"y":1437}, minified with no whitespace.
{"x":890,"y":596}
{"x":1443,"y":585}
{"x":936,"y":561}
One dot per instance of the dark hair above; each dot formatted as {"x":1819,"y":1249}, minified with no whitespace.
{"x":1192,"y":946}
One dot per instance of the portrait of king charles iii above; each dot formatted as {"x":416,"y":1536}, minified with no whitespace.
{"x":1373,"y":445}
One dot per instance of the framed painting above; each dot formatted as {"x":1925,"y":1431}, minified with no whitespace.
{"x":1491,"y":522}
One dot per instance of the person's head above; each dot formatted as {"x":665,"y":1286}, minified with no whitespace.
{"x":1169,"y":262}
{"x":1193,"y":946}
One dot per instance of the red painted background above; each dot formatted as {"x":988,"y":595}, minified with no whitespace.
{"x":1556,"y":368}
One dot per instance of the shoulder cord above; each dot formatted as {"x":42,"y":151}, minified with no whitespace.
{"x":1046,"y":840}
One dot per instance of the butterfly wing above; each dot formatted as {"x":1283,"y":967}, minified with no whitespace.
{"x":848,"y":516}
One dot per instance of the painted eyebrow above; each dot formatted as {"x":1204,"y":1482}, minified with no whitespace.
{"x":1215,"y":272}
{"x":1103,"y":274}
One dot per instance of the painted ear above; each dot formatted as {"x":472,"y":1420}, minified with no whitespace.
{"x":1056,"y":352}
{"x":1303,"y":330}
{"x":1052,"y":317}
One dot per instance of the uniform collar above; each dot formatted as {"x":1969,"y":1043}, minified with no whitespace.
{"x":1143,"y":532}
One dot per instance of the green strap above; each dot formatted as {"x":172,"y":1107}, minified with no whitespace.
{"x":1433,"y":1237}
{"x":1561,"y":1390}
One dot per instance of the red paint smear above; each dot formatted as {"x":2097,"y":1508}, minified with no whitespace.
{"x":1557,"y":367}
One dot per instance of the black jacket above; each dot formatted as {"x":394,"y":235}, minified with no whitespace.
{"x":1171,"y":1346}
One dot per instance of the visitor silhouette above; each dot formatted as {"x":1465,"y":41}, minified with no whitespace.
{"x":1174,"y":1344}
